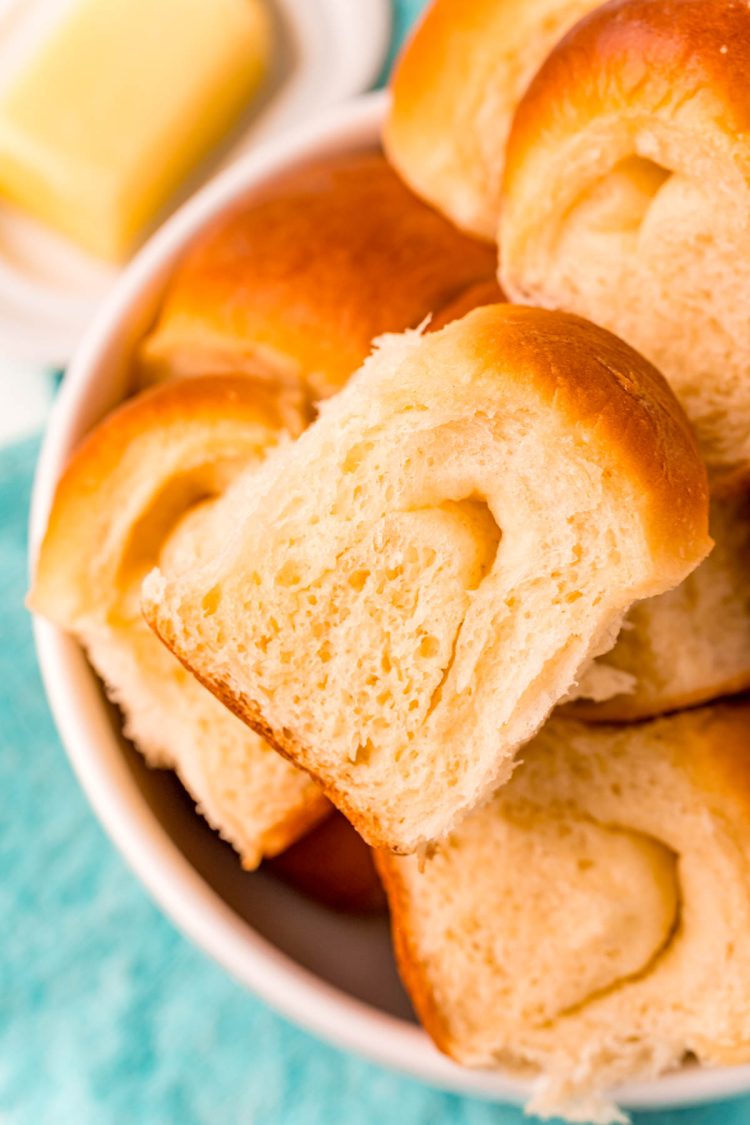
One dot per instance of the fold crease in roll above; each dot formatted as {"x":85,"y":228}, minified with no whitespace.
{"x":604,"y":933}
{"x":626,"y":199}
{"x":686,"y":647}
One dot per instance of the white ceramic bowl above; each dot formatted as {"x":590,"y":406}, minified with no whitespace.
{"x":331,"y":974}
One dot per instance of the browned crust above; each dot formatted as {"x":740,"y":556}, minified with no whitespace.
{"x":411,"y":967}
{"x":334,"y":866}
{"x":617,"y":399}
{"x":633,"y":77}
{"x":283,"y":741}
{"x":685,"y":61}
{"x":228,"y":415}
{"x":228,"y":412}
{"x":312,"y":810}
{"x":423,"y":94}
{"x":296,"y":281}
{"x":475,"y":297}
{"x":429,"y":85}
{"x":454,"y":88}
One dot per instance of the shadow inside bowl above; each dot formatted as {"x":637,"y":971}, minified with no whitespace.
{"x":351,"y":953}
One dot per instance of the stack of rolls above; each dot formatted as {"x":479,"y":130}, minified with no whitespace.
{"x":267,"y":313}
{"x":293,"y":285}
{"x":436,"y":511}
{"x":618,"y":189}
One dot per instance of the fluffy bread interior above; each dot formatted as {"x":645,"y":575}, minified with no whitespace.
{"x":376,"y":610}
{"x":688,"y":646}
{"x":143,"y":489}
{"x":603,"y":934}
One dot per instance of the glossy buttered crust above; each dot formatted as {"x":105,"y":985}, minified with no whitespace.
{"x":627,"y":194}
{"x":638,"y":63}
{"x":617,"y":399}
{"x":294,"y":284}
{"x":685,"y":61}
{"x":454,"y":91}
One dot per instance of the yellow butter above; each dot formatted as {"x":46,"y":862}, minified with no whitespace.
{"x":119,"y":103}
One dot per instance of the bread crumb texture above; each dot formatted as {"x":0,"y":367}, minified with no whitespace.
{"x":604,"y":932}
{"x":375,"y":607}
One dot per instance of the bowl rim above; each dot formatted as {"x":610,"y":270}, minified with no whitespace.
{"x":85,"y":729}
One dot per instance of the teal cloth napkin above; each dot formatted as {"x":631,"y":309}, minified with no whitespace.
{"x":107,"y":1015}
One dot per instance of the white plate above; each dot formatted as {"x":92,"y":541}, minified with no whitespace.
{"x":331,"y":974}
{"x":49,"y":290}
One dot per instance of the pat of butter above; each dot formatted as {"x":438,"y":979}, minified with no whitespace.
{"x":119,"y":103}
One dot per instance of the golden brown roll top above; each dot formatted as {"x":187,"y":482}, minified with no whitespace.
{"x":663,"y":80}
{"x":131,"y":480}
{"x":145,"y":488}
{"x":294,"y":284}
{"x":627,"y":197}
{"x":454,"y":91}
{"x":614,"y":401}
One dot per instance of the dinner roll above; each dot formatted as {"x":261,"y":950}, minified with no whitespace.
{"x":454,"y":91}
{"x":604,"y":931}
{"x":627,"y":198}
{"x":142,"y":490}
{"x":293,"y":284}
{"x":411,"y":586}
{"x":688,"y":646}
